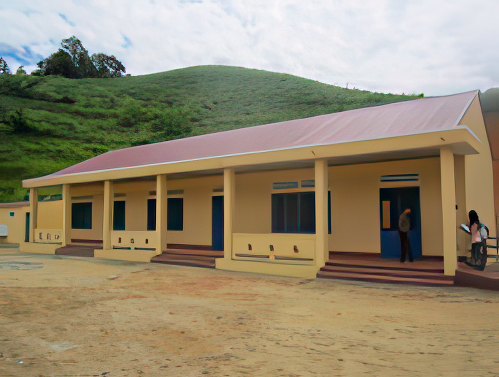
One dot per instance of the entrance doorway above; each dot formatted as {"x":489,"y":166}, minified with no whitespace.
{"x":217,"y":220}
{"x":393,"y":201}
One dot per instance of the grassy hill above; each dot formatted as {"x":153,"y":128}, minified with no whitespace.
{"x":48,"y":123}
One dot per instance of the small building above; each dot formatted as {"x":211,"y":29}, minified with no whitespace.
{"x":277,"y":198}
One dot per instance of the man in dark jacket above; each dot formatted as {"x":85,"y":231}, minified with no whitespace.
{"x":404,"y":227}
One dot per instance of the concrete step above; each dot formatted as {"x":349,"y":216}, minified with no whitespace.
{"x":388,"y":265}
{"x":167,"y":256}
{"x":195,"y":252}
{"x":185,"y":262}
{"x":383,"y":278}
{"x":403,"y":273}
{"x":76,"y":251}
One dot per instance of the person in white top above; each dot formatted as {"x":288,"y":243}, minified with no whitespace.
{"x":478,"y":247}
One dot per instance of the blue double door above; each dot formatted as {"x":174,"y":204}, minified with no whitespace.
{"x":393,"y":201}
{"x":217,"y":221}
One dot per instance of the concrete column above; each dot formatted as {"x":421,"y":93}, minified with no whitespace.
{"x":229,"y":201}
{"x":66,"y":215}
{"x":463,"y":240}
{"x":33,"y":209}
{"x":107,"y":219}
{"x":448,"y":186}
{"x":321,"y":215}
{"x":161,"y":212}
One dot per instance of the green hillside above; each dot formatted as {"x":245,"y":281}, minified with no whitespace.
{"x":48,"y":123}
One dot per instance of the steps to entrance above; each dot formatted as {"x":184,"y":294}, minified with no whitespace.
{"x":77,"y":250}
{"x":189,"y":257}
{"x":428,"y":273}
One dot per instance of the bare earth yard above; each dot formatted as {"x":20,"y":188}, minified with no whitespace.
{"x":64,"y":316}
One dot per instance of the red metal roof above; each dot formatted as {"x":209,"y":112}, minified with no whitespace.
{"x":396,"y":119}
{"x":14,"y":205}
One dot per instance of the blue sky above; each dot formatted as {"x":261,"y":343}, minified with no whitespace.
{"x":413,"y":46}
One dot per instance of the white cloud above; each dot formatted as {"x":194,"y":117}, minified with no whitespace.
{"x":435,"y":47}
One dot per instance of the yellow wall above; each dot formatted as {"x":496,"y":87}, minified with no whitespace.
{"x":253,"y":208}
{"x":197,"y":209}
{"x":16,"y":225}
{"x":96,"y":191}
{"x":49,"y":215}
{"x":355,"y":204}
{"x":479,"y":173}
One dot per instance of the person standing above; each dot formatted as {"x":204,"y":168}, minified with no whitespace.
{"x":478,"y":243}
{"x":404,"y":227}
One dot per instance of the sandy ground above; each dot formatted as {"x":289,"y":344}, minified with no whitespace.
{"x":67,"y":316}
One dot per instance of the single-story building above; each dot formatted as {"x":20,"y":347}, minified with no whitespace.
{"x":277,"y":198}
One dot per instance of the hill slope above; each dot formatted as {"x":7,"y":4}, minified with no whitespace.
{"x":48,"y":123}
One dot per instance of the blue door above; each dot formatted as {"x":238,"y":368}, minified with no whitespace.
{"x":393,"y":201}
{"x":217,"y":239}
{"x":26,"y":233}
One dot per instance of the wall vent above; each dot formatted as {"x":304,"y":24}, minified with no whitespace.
{"x":400,"y":178}
{"x":175,"y":192}
{"x":284,"y":185}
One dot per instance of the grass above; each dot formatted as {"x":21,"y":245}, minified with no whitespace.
{"x":73,"y":120}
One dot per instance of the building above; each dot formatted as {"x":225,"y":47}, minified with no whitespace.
{"x":278,"y":198}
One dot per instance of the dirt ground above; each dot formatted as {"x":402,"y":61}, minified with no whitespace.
{"x":67,"y":316}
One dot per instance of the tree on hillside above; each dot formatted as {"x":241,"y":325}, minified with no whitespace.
{"x":72,"y":61}
{"x":21,"y":71}
{"x":59,"y":63}
{"x":107,"y":66}
{"x":4,"y":67}
{"x":79,"y":56}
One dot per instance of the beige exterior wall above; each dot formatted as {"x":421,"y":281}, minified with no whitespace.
{"x":16,"y":225}
{"x":197,"y":209}
{"x":355,"y":209}
{"x":50,"y":215}
{"x":95,"y":193}
{"x":479,"y":171}
{"x":354,"y":205}
{"x":354,"y":202}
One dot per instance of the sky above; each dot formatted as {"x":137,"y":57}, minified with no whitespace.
{"x":435,"y":47}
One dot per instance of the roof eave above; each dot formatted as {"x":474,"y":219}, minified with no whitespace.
{"x":461,"y":139}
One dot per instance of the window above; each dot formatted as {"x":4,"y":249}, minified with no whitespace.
{"x":81,"y":216}
{"x":151,"y":214}
{"x":175,"y":214}
{"x":119,"y":215}
{"x":295,"y":212}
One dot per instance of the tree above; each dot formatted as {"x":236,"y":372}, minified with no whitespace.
{"x":59,"y":63}
{"x":79,"y":56}
{"x":107,"y":66}
{"x":4,"y":67}
{"x":20,"y":71}
{"x":72,"y":61}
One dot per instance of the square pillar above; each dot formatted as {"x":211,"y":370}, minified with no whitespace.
{"x":463,"y":240}
{"x":66,"y":215}
{"x":229,"y":201}
{"x":107,"y":218}
{"x":321,"y":215}
{"x":161,"y":212}
{"x":33,"y":209}
{"x":449,"y":218}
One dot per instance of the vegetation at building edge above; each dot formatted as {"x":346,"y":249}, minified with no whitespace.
{"x":50,"y":122}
